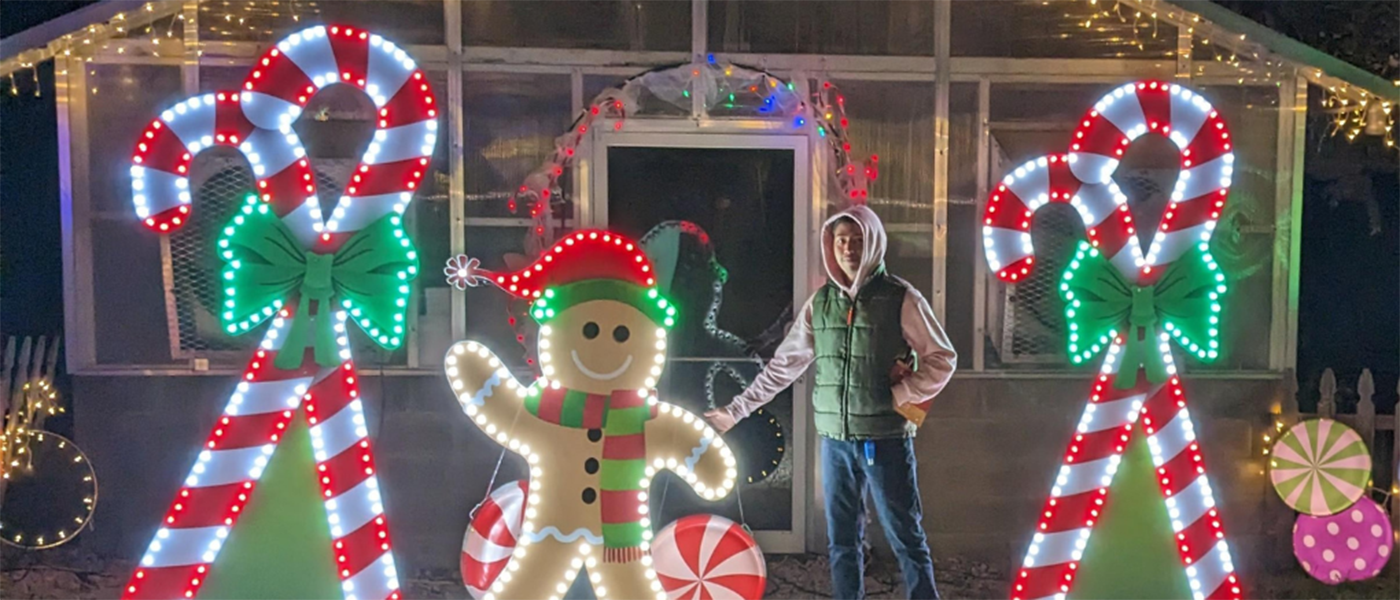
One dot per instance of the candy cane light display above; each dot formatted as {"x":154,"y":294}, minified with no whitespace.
{"x":284,"y":261}
{"x":1131,"y":306}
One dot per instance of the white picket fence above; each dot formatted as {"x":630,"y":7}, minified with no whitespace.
{"x":1364,"y":421}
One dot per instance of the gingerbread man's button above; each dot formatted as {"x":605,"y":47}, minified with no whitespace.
{"x":589,"y":495}
{"x":590,"y":466}
{"x":594,"y":435}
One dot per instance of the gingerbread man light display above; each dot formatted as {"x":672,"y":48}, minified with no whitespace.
{"x":592,"y":429}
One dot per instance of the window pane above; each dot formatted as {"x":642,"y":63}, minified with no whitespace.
{"x":834,"y":27}
{"x":894,"y":121}
{"x":1243,"y":242}
{"x":401,"y":21}
{"x":511,"y":123}
{"x":1059,"y":29}
{"x":490,"y":310}
{"x":1025,"y":320}
{"x":122,"y":100}
{"x":128,"y":302}
{"x":128,"y":291}
{"x":429,"y":222}
{"x":591,"y":24}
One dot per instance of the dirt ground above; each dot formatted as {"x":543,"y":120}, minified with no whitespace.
{"x":70,"y":574}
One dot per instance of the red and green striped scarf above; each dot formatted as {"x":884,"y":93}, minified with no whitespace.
{"x":622,"y":416}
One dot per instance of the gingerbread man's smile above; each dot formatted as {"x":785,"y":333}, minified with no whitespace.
{"x":609,"y":376}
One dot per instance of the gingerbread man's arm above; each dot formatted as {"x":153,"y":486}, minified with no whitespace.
{"x":682,"y":442}
{"x":489,"y":394}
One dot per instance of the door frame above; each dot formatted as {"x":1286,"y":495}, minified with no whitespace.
{"x":591,"y":210}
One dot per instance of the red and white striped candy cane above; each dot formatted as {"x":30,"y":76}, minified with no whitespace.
{"x":1083,"y":178}
{"x":257,"y":120}
{"x":1199,"y":132}
{"x":1006,"y":224}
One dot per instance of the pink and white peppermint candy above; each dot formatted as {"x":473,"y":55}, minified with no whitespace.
{"x":1352,"y":545}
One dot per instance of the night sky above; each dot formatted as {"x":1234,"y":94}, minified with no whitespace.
{"x":31,"y":276}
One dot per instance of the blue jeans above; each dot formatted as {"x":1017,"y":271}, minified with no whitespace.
{"x":895,"y":489}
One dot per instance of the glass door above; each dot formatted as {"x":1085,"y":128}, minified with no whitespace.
{"x":723,"y":218}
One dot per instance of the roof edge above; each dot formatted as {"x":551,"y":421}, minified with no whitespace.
{"x":1290,"y":48}
{"x":40,"y":35}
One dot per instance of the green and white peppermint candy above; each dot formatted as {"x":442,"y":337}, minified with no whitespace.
{"x":1320,"y":467}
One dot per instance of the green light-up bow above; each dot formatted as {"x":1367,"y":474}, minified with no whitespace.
{"x":265,"y":265}
{"x":1101,"y":303}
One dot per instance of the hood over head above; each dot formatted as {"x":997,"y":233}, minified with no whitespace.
{"x":873,"y":259}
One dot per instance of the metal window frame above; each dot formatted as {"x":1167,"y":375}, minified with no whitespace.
{"x":456,"y":58}
{"x":75,"y":208}
{"x":1288,"y":239}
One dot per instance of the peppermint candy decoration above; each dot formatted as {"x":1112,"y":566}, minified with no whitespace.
{"x":1352,"y":545}
{"x":1320,"y":467}
{"x":492,"y":536}
{"x":704,"y":557}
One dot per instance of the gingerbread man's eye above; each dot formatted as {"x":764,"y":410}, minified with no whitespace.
{"x":621,"y":333}
{"x":590,"y":330}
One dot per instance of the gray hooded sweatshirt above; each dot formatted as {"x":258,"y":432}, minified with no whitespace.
{"x":923,"y":333}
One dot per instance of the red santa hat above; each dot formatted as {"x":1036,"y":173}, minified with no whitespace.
{"x":584,"y":266}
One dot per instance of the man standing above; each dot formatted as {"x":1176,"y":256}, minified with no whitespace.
{"x":856,"y":328}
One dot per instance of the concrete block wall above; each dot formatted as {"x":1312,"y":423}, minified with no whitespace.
{"x":991,"y":447}
{"x":987,"y":456}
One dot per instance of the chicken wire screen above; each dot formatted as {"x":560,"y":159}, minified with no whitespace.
{"x":1033,"y":322}
{"x":1032,"y":328}
{"x":221,"y":183}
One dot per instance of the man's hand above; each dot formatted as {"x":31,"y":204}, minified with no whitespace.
{"x":720,"y":419}
{"x":900,"y":371}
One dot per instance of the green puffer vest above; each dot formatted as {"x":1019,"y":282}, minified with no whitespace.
{"x":857,"y":344}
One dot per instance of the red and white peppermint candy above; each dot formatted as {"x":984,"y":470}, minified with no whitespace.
{"x":492,"y":536}
{"x":258,"y":119}
{"x":1083,"y":178}
{"x":704,"y":557}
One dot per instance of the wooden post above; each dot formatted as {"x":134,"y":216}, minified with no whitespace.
{"x":1394,"y":466}
{"x":45,"y":366}
{"x":1366,"y":409}
{"x":5,"y":377}
{"x":31,"y":375}
{"x":1327,"y":403}
{"x":1288,"y":411}
{"x":51,"y":361}
{"x":18,"y":378}
{"x":36,"y":360}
